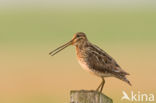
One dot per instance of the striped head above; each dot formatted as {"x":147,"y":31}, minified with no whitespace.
{"x":79,"y":38}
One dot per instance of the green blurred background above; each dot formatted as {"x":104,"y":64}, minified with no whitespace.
{"x":30,"y":29}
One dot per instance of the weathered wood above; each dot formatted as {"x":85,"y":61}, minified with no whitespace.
{"x":85,"y":96}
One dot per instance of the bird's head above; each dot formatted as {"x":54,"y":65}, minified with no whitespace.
{"x":78,"y":38}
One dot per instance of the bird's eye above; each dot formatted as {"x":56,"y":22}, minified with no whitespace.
{"x":78,"y":35}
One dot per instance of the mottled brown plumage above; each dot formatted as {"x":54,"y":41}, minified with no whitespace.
{"x":94,"y":59}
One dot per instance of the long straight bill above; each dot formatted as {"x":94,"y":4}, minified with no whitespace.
{"x":52,"y":53}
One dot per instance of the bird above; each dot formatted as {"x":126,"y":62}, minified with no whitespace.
{"x":94,"y":60}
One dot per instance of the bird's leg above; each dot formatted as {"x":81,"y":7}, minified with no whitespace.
{"x":103,"y":82}
{"x":99,"y":87}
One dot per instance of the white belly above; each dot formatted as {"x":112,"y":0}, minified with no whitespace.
{"x":85,"y":67}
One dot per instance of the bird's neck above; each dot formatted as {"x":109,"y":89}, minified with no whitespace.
{"x":80,"y":48}
{"x":82,"y":45}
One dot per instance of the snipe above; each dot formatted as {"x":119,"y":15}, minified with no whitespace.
{"x":94,"y":59}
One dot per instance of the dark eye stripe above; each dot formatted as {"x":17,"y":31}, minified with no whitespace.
{"x":78,"y":35}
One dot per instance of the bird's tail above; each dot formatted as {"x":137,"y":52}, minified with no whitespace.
{"x":126,"y":80}
{"x":123,"y":78}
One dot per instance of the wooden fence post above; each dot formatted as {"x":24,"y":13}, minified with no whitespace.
{"x":85,"y":96}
